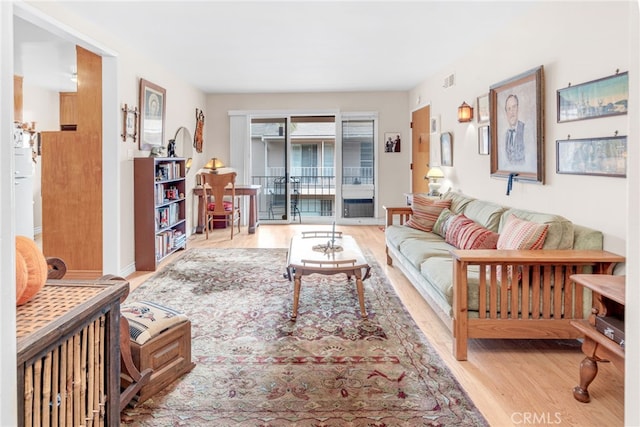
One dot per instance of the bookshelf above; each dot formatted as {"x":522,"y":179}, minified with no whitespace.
{"x":159,"y":208}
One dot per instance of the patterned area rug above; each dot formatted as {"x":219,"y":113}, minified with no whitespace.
{"x":254,"y":367}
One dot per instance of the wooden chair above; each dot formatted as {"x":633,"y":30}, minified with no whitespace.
{"x":216,"y":209}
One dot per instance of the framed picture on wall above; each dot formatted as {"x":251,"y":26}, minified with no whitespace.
{"x":446,"y":149}
{"x":516,"y":126}
{"x":392,"y":142}
{"x":483,"y":140}
{"x":592,"y":156}
{"x":434,"y":125}
{"x":152,"y":114}
{"x":129,"y":123}
{"x":483,"y":108}
{"x":604,"y":97}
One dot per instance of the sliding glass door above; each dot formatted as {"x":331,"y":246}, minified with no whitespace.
{"x":313,"y":169}
{"x":358,"y":177}
{"x":270,"y":167}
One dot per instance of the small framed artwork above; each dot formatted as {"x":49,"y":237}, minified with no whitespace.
{"x":604,"y":97}
{"x":392,"y":142}
{"x":129,"y":123}
{"x":152,"y":115}
{"x":516,"y":124}
{"x":446,"y":149}
{"x":483,"y":140}
{"x":592,"y":156}
{"x":483,"y":108}
{"x":434,"y":124}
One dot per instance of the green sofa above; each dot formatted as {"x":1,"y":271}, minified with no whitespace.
{"x":475,"y":305}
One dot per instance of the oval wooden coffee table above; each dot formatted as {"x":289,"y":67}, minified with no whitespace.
{"x":328,"y":253}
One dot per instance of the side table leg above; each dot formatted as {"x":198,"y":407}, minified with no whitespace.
{"x":588,"y":371}
{"x":296,"y":296}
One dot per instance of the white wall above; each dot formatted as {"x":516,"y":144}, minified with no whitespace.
{"x":393,"y":116}
{"x":573,"y":48}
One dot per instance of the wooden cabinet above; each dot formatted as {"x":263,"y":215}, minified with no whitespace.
{"x":68,"y":354}
{"x":17,"y":98}
{"x":160,"y":208}
{"x":68,"y":109}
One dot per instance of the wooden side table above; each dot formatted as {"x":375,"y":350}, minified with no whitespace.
{"x":608,"y":296}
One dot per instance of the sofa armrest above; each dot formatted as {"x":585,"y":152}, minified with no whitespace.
{"x":403,"y":213}
{"x":537,"y":300}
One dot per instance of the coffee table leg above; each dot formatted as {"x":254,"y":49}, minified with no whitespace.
{"x":360,"y":289}
{"x":296,"y":296}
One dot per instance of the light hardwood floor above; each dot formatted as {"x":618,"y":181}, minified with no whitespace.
{"x":512,"y":382}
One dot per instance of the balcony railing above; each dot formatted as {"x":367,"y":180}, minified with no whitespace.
{"x":312,"y":190}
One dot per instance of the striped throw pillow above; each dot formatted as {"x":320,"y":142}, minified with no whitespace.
{"x":475,"y":236}
{"x":518,"y":233}
{"x":522,"y":234}
{"x":425,"y":212}
{"x":456,"y":225}
{"x":442,"y":223}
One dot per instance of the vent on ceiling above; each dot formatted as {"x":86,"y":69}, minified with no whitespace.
{"x":449,"y":81}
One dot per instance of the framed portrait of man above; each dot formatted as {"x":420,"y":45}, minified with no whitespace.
{"x":516,"y":125}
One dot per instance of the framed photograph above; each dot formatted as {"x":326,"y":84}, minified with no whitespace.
{"x":483,"y":140}
{"x":129,"y":123}
{"x":152,"y":115}
{"x":592,"y":156}
{"x":392,"y":142}
{"x":516,"y":127}
{"x":434,"y":124}
{"x":446,"y":149}
{"x":483,"y":108}
{"x":604,"y":97}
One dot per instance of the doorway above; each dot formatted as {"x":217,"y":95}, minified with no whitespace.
{"x":108,"y":250}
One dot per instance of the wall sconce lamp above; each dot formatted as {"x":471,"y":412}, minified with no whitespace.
{"x":434,"y":175}
{"x":214,"y":164}
{"x":187,"y":165}
{"x":465,"y":113}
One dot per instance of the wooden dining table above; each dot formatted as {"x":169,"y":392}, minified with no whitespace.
{"x":248,"y":190}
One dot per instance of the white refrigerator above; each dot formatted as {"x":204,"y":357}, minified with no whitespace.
{"x":23,"y":179}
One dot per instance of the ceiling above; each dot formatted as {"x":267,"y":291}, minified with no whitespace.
{"x":287,"y":46}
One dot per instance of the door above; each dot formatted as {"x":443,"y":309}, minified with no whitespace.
{"x":270,"y":166}
{"x":420,"y":146}
{"x":293,"y":159}
{"x":358,"y":183}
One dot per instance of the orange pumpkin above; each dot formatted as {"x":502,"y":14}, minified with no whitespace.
{"x":36,"y":267}
{"x":22,"y":275}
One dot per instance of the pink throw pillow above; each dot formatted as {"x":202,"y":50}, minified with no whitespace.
{"x":425,"y":212}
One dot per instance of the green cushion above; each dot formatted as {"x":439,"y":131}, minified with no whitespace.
{"x":416,"y":251}
{"x":396,"y":234}
{"x":486,"y":214}
{"x":458,"y":200}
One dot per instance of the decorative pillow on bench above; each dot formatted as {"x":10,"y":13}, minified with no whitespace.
{"x":148,"y":320}
{"x":425,"y":212}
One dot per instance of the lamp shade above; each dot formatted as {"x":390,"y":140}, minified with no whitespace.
{"x":214,"y":163}
{"x":465,"y":113}
{"x":435,"y":172}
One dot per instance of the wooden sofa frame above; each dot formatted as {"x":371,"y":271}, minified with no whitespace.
{"x":547,"y":300}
